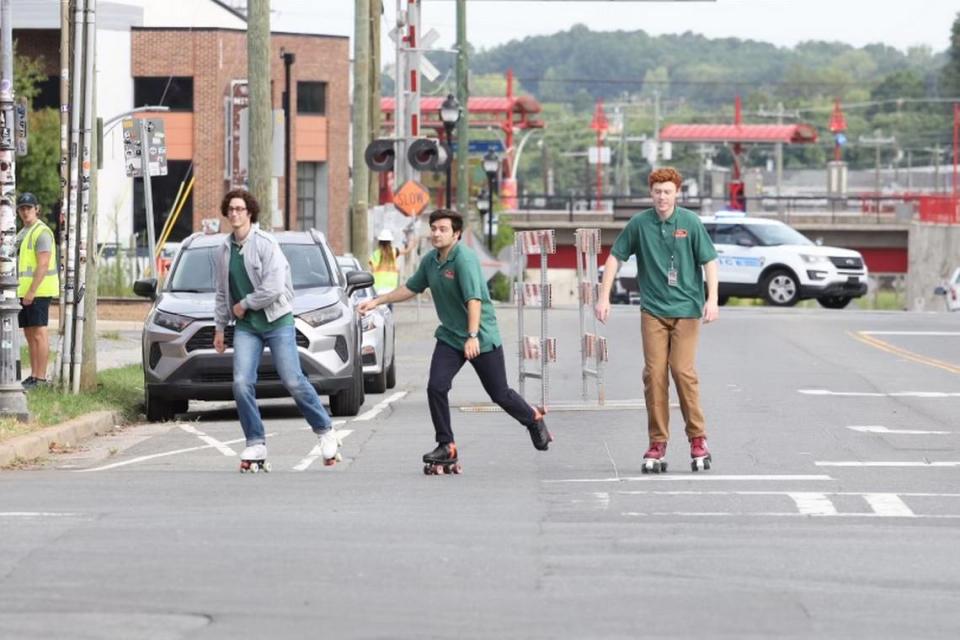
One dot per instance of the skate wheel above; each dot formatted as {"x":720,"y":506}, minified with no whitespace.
{"x":663,"y":467}
{"x":255,"y":468}
{"x":427,"y":470}
{"x":457,"y":469}
{"x":439,"y":470}
{"x":267,"y":468}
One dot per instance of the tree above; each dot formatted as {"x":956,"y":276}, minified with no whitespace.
{"x":39,"y":170}
{"x":951,"y":71}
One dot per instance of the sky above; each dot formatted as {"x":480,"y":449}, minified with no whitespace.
{"x":898,"y":23}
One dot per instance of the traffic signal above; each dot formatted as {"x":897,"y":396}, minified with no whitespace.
{"x":738,"y":198}
{"x":379,"y":155}
{"x":427,"y":154}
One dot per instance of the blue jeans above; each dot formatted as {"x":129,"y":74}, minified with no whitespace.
{"x":247,"y":351}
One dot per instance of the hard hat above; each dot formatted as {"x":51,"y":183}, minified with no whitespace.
{"x":385,"y":236}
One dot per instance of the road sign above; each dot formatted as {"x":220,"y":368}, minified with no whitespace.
{"x":133,"y":148}
{"x":412,"y":198}
{"x":480,"y":147}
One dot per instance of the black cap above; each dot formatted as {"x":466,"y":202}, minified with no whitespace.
{"x":26,"y":199}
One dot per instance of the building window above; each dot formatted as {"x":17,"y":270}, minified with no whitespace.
{"x":175,"y":92}
{"x":312,"y":197}
{"x":312,"y":98}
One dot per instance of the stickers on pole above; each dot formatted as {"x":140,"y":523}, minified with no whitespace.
{"x":595,"y":347}
{"x":134,"y":148}
{"x":536,"y":242}
{"x":532,"y":345}
{"x":536,"y":295}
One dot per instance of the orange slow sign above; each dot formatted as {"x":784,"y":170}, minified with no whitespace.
{"x":412,"y":198}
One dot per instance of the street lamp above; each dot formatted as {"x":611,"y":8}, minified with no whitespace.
{"x":449,"y":116}
{"x":491,"y":166}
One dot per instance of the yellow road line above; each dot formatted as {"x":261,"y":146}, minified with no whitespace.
{"x":903,"y":353}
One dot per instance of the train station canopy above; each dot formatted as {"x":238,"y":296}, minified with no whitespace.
{"x":485,"y":111}
{"x":743,"y":133}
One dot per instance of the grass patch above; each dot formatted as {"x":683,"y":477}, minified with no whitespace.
{"x":119,"y":389}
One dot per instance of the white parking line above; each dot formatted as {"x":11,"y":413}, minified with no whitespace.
{"x":314,"y":454}
{"x":888,"y":504}
{"x":875,"y":463}
{"x":36,"y":514}
{"x":872,"y":394}
{"x":911,"y":333}
{"x":905,"y":432}
{"x":380,"y":406}
{"x":123,"y":463}
{"x":706,"y":477}
{"x":213,"y":442}
{"x":813,"y":504}
{"x":776,"y":514}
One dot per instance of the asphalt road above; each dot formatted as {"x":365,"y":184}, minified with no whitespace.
{"x":832,"y":510}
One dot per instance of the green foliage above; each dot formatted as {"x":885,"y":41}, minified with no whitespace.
{"x":500,"y":285}
{"x":27,"y":75}
{"x":951,"y":71}
{"x":39,"y":170}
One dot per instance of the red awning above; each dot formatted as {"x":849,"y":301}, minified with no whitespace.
{"x":769,"y":133}
{"x":480,"y":104}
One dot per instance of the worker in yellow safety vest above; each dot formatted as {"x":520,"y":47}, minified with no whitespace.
{"x":38,"y":284}
{"x":383,"y":262}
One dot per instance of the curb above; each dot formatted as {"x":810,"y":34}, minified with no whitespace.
{"x":37,"y":445}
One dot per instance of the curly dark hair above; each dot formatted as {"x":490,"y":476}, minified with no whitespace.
{"x":253,"y":207}
{"x":456,"y":220}
{"x":665,"y":174}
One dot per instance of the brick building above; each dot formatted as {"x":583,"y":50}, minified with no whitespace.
{"x":190,"y":55}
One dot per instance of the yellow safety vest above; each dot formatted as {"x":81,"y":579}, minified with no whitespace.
{"x":384,"y":279}
{"x":27,"y":264}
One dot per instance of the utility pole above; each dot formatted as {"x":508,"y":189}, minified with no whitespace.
{"x":260,"y":131}
{"x":779,"y":161}
{"x":463,"y":128}
{"x":361,"y":132}
{"x":13,"y":402}
{"x":877,"y":142}
{"x":376,"y":13}
{"x":656,"y":128}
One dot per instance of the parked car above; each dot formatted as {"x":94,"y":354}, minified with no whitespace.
{"x":378,"y":349}
{"x":625,"y":289}
{"x":950,"y":290}
{"x":763,"y":258}
{"x":180,"y":363}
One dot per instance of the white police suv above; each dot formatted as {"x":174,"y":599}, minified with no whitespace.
{"x":762,"y":258}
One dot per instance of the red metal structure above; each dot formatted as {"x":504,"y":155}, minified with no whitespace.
{"x":601,"y":126}
{"x":838,"y":124}
{"x":738,"y":134}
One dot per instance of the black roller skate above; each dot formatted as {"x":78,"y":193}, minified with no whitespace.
{"x":442,"y":460}
{"x":700,"y":457}
{"x":539,"y":435}
{"x":254,"y":459}
{"x":653,"y":459}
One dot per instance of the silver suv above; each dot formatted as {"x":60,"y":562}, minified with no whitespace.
{"x":180,"y":363}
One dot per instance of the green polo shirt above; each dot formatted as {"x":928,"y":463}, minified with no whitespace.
{"x":453,"y":283}
{"x":254,"y":320}
{"x":682,"y":241}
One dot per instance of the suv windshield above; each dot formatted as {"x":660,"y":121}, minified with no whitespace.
{"x":193,"y":272}
{"x":776,"y":234}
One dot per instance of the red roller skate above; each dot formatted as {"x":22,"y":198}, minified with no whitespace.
{"x":653,"y":459}
{"x":699,"y":454}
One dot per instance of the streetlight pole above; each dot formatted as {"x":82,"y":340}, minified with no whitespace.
{"x":491,"y":166}
{"x":449,"y":116}
{"x":288,"y":60}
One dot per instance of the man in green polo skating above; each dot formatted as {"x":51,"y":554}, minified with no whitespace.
{"x":467,"y":331}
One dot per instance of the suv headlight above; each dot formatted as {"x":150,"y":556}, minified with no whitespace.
{"x":171,"y":321}
{"x":318,"y":317}
{"x":810,"y":259}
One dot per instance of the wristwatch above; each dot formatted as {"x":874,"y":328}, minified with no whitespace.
{"x":473,"y":334}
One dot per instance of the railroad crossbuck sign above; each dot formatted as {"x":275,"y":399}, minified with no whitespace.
{"x":412,"y":198}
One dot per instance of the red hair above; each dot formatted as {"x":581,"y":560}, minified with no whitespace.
{"x":666,"y":174}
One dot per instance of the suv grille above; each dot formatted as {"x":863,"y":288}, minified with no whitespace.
{"x":203,"y":339}
{"x":847,"y":263}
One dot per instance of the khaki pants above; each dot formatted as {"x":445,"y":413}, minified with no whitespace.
{"x":671,"y":343}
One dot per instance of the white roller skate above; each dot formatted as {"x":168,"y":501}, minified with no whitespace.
{"x":330,"y":447}
{"x":653,"y":459}
{"x":700,"y":457}
{"x":254,"y":459}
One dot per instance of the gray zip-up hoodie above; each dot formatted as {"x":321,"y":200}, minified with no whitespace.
{"x":269,"y":273}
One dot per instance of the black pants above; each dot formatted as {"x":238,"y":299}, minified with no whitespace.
{"x":446,"y":363}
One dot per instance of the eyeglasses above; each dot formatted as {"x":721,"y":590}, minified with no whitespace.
{"x":235,"y":209}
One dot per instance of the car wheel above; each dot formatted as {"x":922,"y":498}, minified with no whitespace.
{"x":161,"y":409}
{"x":349,"y":401}
{"x":834,"y":302}
{"x":392,"y":372}
{"x":780,"y":288}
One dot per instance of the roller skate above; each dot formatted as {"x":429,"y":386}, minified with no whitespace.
{"x":442,"y":460}
{"x":254,"y":459}
{"x":699,"y":454}
{"x":330,"y":447}
{"x":538,"y":432}
{"x":653,"y":459}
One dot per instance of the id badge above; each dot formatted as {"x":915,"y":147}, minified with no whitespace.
{"x":672,"y":277}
